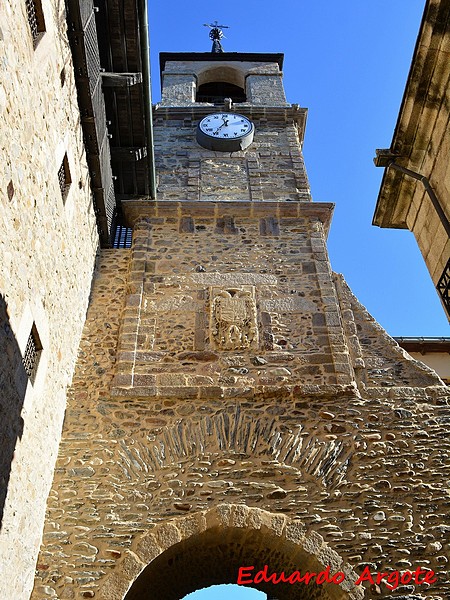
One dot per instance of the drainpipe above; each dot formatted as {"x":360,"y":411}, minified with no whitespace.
{"x":385,"y":158}
{"x":145,"y":60}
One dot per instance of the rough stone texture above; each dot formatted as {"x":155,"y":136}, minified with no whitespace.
{"x":47,"y":253}
{"x":237,"y":535}
{"x":233,"y":401}
{"x":272,"y":169}
{"x":360,"y":469}
{"x":261,"y":81}
{"x":169,"y":317}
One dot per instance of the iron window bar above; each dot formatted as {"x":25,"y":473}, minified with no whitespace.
{"x":64,"y":179}
{"x":123,"y":237}
{"x":443,"y":287}
{"x":32,"y":354}
{"x":36,"y":21}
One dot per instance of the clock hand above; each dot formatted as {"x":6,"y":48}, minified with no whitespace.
{"x":220,"y":127}
{"x":224,"y":124}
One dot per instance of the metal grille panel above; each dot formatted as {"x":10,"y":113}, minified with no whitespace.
{"x":32,"y":18}
{"x":64,"y":178}
{"x":86,"y":10}
{"x":32,"y":354}
{"x":110,"y":206}
{"x":92,"y":54}
{"x":443,"y":287}
{"x":35,"y":19}
{"x":123,"y":237}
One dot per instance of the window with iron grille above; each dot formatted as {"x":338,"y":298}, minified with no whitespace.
{"x":123,"y":237}
{"x":64,"y":178}
{"x":32,"y":354}
{"x":443,"y":287}
{"x":36,"y":21}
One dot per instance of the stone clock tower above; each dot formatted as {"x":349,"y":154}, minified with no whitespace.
{"x":235,"y":287}
{"x":234,"y":405}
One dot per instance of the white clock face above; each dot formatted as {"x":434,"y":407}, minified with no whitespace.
{"x":225,"y":126}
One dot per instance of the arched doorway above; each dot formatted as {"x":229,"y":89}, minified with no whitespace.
{"x":196,"y":551}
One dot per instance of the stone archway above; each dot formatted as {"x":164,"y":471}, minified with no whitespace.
{"x":196,"y":551}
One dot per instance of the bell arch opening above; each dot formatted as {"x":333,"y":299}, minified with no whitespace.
{"x":222,"y":555}
{"x":216,"y":84}
{"x":216,"y":92}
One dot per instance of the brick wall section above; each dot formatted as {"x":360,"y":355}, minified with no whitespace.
{"x":47,"y":254}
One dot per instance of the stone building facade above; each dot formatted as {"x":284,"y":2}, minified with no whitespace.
{"x":233,"y":404}
{"x":48,"y":246}
{"x":415,"y":190}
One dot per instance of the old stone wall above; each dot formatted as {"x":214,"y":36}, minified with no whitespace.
{"x":427,"y":140}
{"x":421,"y":144}
{"x":273,"y":169}
{"x":359,"y":465}
{"x":267,"y":262}
{"x":261,"y":81}
{"x":48,"y":243}
{"x":233,"y":399}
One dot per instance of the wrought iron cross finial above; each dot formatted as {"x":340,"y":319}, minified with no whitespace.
{"x":216,"y":34}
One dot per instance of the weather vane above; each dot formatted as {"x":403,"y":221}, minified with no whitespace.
{"x":216,"y":34}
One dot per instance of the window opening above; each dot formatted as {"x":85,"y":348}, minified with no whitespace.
{"x":36,"y":21}
{"x":64,"y":178}
{"x":123,"y":237}
{"x":10,"y":190}
{"x":32,"y":354}
{"x":216,"y":92}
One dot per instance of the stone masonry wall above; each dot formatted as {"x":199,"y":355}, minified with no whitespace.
{"x":273,"y":169}
{"x":261,"y":81}
{"x":429,"y":139}
{"x":233,"y":399}
{"x":359,"y":465}
{"x":47,"y":251}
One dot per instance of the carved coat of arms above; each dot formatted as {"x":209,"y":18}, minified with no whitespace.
{"x":233,"y":319}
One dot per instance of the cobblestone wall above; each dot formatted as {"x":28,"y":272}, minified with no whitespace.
{"x":359,"y":465}
{"x":48,"y":242}
{"x":171,"y":341}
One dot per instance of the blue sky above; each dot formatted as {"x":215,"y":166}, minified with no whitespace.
{"x":347,"y":62}
{"x":227,"y":592}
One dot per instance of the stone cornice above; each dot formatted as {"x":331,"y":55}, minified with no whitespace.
{"x":197,"y":110}
{"x":277,"y":57}
{"x":423,"y":103}
{"x":135,"y":209}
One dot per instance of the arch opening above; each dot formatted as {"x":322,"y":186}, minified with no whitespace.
{"x":215,"y":556}
{"x":215,"y":92}
{"x":227,"y":592}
